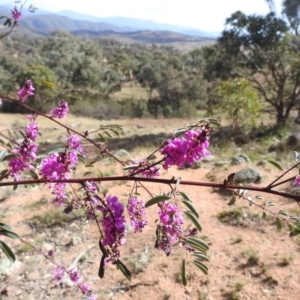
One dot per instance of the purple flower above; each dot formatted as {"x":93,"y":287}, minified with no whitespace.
{"x":151,"y":172}
{"x":136,"y":210}
{"x":60,"y":111}
{"x":91,"y":297}
{"x":32,"y":131}
{"x":58,"y":165}
{"x":179,"y":151}
{"x":53,"y":167}
{"x":50,"y":253}
{"x":1,"y":101}
{"x":58,"y":274}
{"x":85,"y":289}
{"x":113,"y":223}
{"x":296,"y":181}
{"x":26,"y":91}
{"x":59,"y":192}
{"x":145,"y":169}
{"x":170,"y":229}
{"x":73,"y":142}
{"x":16,"y":15}
{"x":26,"y":155}
{"x":16,"y":166}
{"x":91,"y":186}
{"x":74,"y":276}
{"x":27,"y":150}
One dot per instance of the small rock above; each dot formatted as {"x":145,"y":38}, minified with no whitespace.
{"x":76,"y":240}
{"x":248,"y":175}
{"x":196,"y":165}
{"x":6,"y":267}
{"x":262,"y":163}
{"x":122,"y":153}
{"x":221,"y":163}
{"x":208,"y":159}
{"x":240,"y":159}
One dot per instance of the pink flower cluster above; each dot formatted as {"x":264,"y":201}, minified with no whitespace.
{"x":170,"y":229}
{"x":25,"y":152}
{"x":26,"y":91}
{"x":113,"y":223}
{"x":16,"y":15}
{"x":58,"y":165}
{"x":181,"y":151}
{"x":136,"y":210}
{"x":75,"y":277}
{"x":145,"y":169}
{"x":74,"y":143}
{"x":60,"y":111}
{"x":296,"y":182}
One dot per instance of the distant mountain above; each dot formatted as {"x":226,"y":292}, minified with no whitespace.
{"x":49,"y":23}
{"x":143,"y":36}
{"x":138,"y":24}
{"x":119,"y":24}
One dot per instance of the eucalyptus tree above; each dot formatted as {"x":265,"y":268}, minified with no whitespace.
{"x":263,"y":52}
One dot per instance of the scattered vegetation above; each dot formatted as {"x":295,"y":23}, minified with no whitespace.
{"x":232,"y":217}
{"x":56,"y":217}
{"x":286,"y":259}
{"x":234,"y":293}
{"x":251,"y":255}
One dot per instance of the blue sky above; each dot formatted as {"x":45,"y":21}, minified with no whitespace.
{"x":207,"y":15}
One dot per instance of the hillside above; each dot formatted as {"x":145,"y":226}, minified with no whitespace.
{"x":144,"y":36}
{"x":71,"y":21}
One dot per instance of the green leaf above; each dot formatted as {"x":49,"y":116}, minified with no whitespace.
{"x":7,"y":251}
{"x":294,"y":232}
{"x":123,"y":269}
{"x":4,"y":172}
{"x":185,"y":196}
{"x":283,"y":212}
{"x":9,"y":234}
{"x":270,"y":204}
{"x":87,"y":173}
{"x":179,"y":131}
{"x":264,"y":215}
{"x":101,"y":267}
{"x":8,"y":156}
{"x":196,"y":246}
{"x":115,"y":132}
{"x":183,"y":276}
{"x":156,"y":200}
{"x":2,"y":154}
{"x":278,"y":224}
{"x":47,"y":83}
{"x":232,"y":200}
{"x":198,"y":241}
{"x":81,"y":158}
{"x":102,"y":139}
{"x":102,"y":248}
{"x":129,"y":167}
{"x":108,"y":134}
{"x":275,"y":164}
{"x":200,"y":256}
{"x":214,"y":123}
{"x":201,"y":266}
{"x":191,"y":207}
{"x":7,"y":22}
{"x":5,"y":227}
{"x":194,"y":220}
